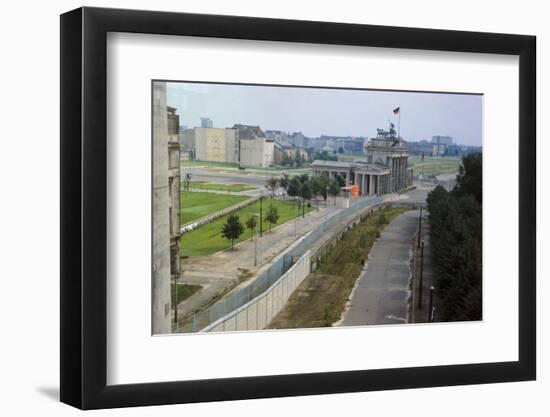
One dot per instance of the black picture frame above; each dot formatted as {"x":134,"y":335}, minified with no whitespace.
{"x":84,"y":207}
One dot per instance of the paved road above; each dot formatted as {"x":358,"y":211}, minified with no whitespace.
{"x":226,"y":177}
{"x":382,"y":291}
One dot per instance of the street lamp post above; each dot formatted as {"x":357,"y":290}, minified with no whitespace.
{"x":421,"y":283}
{"x":256,"y":242}
{"x":297,"y":214}
{"x":326,"y":209}
{"x":419,"y":227}
{"x":261,"y":229}
{"x":176,"y":302}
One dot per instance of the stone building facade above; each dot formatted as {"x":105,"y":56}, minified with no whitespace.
{"x":384,"y":171}
{"x":166,"y":184}
{"x":215,"y":144}
{"x":255,"y":149}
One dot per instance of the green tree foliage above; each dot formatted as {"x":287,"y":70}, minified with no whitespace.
{"x":456,"y":240}
{"x":306,"y":191}
{"x":468,"y":180}
{"x":341,"y":180}
{"x":271,"y":184}
{"x":334,"y":188}
{"x":251,"y":224}
{"x":325,"y":156}
{"x":284,"y":181}
{"x":272,"y":216}
{"x":319,"y":185}
{"x":293,"y":189}
{"x":232,"y":228}
{"x":298,"y":160}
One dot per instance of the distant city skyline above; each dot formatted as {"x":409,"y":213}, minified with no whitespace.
{"x":333,"y":112}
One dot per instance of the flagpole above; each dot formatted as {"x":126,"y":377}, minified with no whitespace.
{"x":399,"y":124}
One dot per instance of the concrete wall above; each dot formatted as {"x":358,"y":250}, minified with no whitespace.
{"x":256,"y":152}
{"x":187,"y":140}
{"x":161,"y":202}
{"x":231,"y":146}
{"x":252,"y":152}
{"x":210,"y":144}
{"x":213,"y":144}
{"x":258,"y":313}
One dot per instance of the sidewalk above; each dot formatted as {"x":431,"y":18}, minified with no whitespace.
{"x":382,"y":290}
{"x":419,"y":314}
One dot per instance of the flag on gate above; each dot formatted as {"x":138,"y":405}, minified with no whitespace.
{"x":396,"y":110}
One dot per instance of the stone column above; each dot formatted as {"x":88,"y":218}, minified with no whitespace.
{"x":400,"y":173}
{"x":395,"y":175}
{"x":161,"y":232}
{"x":370,"y":184}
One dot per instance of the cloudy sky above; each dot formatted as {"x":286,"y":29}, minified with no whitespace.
{"x":338,"y":112}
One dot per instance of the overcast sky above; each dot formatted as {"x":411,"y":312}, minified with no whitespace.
{"x":337,"y":112}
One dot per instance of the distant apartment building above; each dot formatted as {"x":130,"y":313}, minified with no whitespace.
{"x":422,"y":147}
{"x":166,"y":228}
{"x":282,"y":152}
{"x":348,"y":144}
{"x":255,"y":149}
{"x":187,"y":140}
{"x":206,"y":122}
{"x":441,"y":143}
{"x":278,"y":136}
{"x":215,"y":144}
{"x":297,"y":139}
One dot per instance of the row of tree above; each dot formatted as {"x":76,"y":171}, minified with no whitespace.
{"x":233,"y":228}
{"x":298,"y":161}
{"x":456,"y":243}
{"x":306,"y":187}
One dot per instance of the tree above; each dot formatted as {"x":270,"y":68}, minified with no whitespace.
{"x":293,"y":189}
{"x":232,"y":228}
{"x":251,"y":224}
{"x":469,"y":178}
{"x":284,"y":181}
{"x":271,"y":184}
{"x":305,"y":190}
{"x":340,"y":149}
{"x":286,"y":160}
{"x":315,"y":185}
{"x":299,"y":162}
{"x":456,"y":244}
{"x":272,"y":216}
{"x":341,"y":180}
{"x":323,"y":185}
{"x":334,"y":188}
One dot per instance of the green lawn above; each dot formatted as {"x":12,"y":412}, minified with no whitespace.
{"x":185,"y":164}
{"x":207,"y":239}
{"x":435,"y":165}
{"x":235,"y":168}
{"x":194,"y":205}
{"x":184,"y":291}
{"x":218,"y":187}
{"x":351,"y":156}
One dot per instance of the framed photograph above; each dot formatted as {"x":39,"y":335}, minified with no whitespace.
{"x":256,"y":208}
